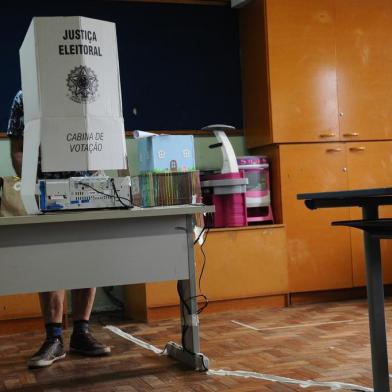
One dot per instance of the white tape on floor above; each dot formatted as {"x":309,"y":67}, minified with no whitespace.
{"x":246,"y":374}
{"x":302,"y":383}
{"x":292,"y":326}
{"x":131,"y":338}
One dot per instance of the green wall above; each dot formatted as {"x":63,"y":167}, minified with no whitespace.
{"x":5,"y":161}
{"x":205,"y":159}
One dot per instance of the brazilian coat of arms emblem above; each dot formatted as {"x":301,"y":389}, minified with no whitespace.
{"x":82,"y":83}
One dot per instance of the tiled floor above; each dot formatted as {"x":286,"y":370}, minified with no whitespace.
{"x":323,"y":342}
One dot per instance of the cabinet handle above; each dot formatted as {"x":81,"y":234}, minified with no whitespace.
{"x":356,"y":149}
{"x":334,"y":149}
{"x":350,"y":134}
{"x":331,"y":134}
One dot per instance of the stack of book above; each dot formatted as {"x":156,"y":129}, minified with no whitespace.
{"x":166,"y":189}
{"x":168,"y":174}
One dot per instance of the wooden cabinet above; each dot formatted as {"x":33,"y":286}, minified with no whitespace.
{"x":245,"y":262}
{"x":316,"y":70}
{"x":369,"y":165}
{"x":299,"y":81}
{"x":320,"y":256}
{"x":255,"y":88}
{"x":364,"y":74}
{"x":317,"y":93}
{"x":302,"y":70}
{"x":19,"y":306}
{"x":243,"y":265}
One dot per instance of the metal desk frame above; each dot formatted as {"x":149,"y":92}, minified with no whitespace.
{"x":368,"y":200}
{"x":73,"y":250}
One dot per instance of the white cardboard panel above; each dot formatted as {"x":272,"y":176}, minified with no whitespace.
{"x":70,"y":80}
{"x":92,"y":143}
{"x":29,"y":71}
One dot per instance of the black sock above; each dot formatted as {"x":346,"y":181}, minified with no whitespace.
{"x":54,"y":330}
{"x":80,"y":326}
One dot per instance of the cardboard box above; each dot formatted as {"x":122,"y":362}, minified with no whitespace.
{"x":166,"y":153}
{"x":72,"y":94}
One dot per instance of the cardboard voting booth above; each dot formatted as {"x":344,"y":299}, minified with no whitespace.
{"x":72,"y":99}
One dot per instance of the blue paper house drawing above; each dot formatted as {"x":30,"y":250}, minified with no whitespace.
{"x":166,"y":153}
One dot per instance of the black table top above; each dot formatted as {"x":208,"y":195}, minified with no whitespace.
{"x":356,"y":197}
{"x":346,"y":194}
{"x":381,"y":228}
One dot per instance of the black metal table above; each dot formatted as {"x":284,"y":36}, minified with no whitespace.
{"x":374,"y":229}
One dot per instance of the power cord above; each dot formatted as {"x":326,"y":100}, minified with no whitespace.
{"x":199,"y":236}
{"x":115,"y":196}
{"x":118,"y":196}
{"x":202,"y":270}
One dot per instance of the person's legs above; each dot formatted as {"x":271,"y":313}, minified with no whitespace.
{"x":82,"y":342}
{"x":82,"y":303}
{"x":52,"y":304}
{"x":53,"y":348}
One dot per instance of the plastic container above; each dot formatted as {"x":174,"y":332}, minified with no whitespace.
{"x":258,"y":198}
{"x":228,"y":198}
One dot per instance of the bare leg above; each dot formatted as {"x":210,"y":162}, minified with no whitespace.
{"x":82,"y":303}
{"x":52,"y":303}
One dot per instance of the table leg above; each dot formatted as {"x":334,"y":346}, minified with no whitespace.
{"x":189,"y":351}
{"x":375,"y":295}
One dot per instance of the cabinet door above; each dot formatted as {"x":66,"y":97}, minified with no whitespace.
{"x":19,"y":306}
{"x":302,"y":70}
{"x":364,"y":57}
{"x":255,"y":93}
{"x":369,"y":166}
{"x":319,"y":255}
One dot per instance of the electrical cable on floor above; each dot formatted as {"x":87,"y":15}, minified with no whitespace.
{"x":333,"y":385}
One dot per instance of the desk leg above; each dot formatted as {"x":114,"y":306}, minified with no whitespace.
{"x":375,"y":295}
{"x":189,"y":352}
